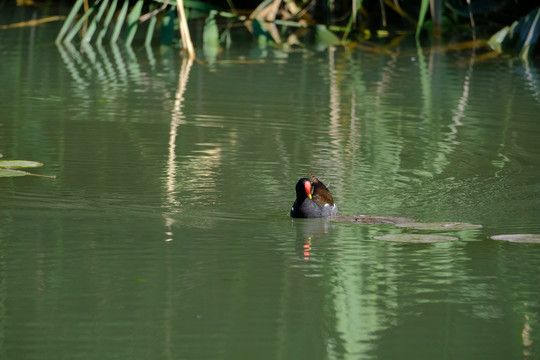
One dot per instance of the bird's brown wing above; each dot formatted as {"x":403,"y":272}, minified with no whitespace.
{"x":321,"y":195}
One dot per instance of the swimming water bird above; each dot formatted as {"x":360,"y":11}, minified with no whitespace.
{"x":313,"y":199}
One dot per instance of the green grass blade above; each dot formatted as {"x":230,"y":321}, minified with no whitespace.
{"x":421,"y":17}
{"x":120,"y":21}
{"x":69,"y":20}
{"x":325,"y":37}
{"x":210,"y":37}
{"x":133,"y":21}
{"x":107,"y":21}
{"x":354,"y":14}
{"x":71,"y":34}
{"x":93,"y":24}
{"x":151,"y":28}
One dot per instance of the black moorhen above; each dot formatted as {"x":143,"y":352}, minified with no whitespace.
{"x":308,"y":205}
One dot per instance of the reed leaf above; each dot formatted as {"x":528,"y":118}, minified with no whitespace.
{"x":107,"y":21}
{"x":69,"y":20}
{"x":357,"y":4}
{"x":151,"y":29}
{"x":421,"y":17}
{"x":325,"y":37}
{"x":71,"y":34}
{"x":210,"y":37}
{"x":520,"y":38}
{"x":93,"y":24}
{"x":119,"y":22}
{"x":133,"y":21}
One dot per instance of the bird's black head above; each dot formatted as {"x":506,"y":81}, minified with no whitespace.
{"x":303,"y":188}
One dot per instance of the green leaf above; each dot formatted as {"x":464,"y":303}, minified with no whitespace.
{"x":12,"y":173}
{"x":133,"y":21}
{"x":69,"y":20}
{"x":18,"y":164}
{"x":440,"y":226}
{"x":107,"y":21}
{"x":95,"y":21}
{"x":210,"y":37}
{"x":151,"y":28}
{"x":210,"y":32}
{"x":421,"y":17}
{"x":370,"y":219}
{"x":119,"y":21}
{"x":496,"y":40}
{"x":80,"y":23}
{"x":520,"y":38}
{"x":519,"y":238}
{"x":325,"y":37}
{"x":416,"y":238}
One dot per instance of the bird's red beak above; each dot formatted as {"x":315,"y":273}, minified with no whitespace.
{"x":307,"y":185}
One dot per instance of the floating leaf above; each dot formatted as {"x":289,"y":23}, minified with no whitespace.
{"x":439,"y":226}
{"x":416,"y":238}
{"x":370,"y":219}
{"x":520,"y":238}
{"x":18,"y":164}
{"x":12,"y":173}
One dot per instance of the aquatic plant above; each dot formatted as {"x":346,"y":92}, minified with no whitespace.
{"x":520,"y":38}
{"x":416,"y":238}
{"x":9,"y":168}
{"x":518,"y":238}
{"x":283,"y":23}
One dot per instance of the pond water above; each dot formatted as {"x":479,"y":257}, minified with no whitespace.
{"x":166,"y":232}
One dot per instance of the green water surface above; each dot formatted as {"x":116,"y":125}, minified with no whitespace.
{"x":166,"y":232}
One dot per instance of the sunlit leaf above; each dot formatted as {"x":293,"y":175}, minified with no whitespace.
{"x":210,"y":37}
{"x":496,"y":40}
{"x":18,"y":164}
{"x":325,"y":37}
{"x":416,"y":238}
{"x":107,"y":21}
{"x":151,"y":28}
{"x":12,"y":173}
{"x":520,"y":38}
{"x":78,"y":25}
{"x":133,"y":21}
{"x":121,"y":15}
{"x":370,"y":219}
{"x":520,"y":238}
{"x":95,"y":21}
{"x":421,"y":17}
{"x":69,"y":20}
{"x":440,"y":226}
